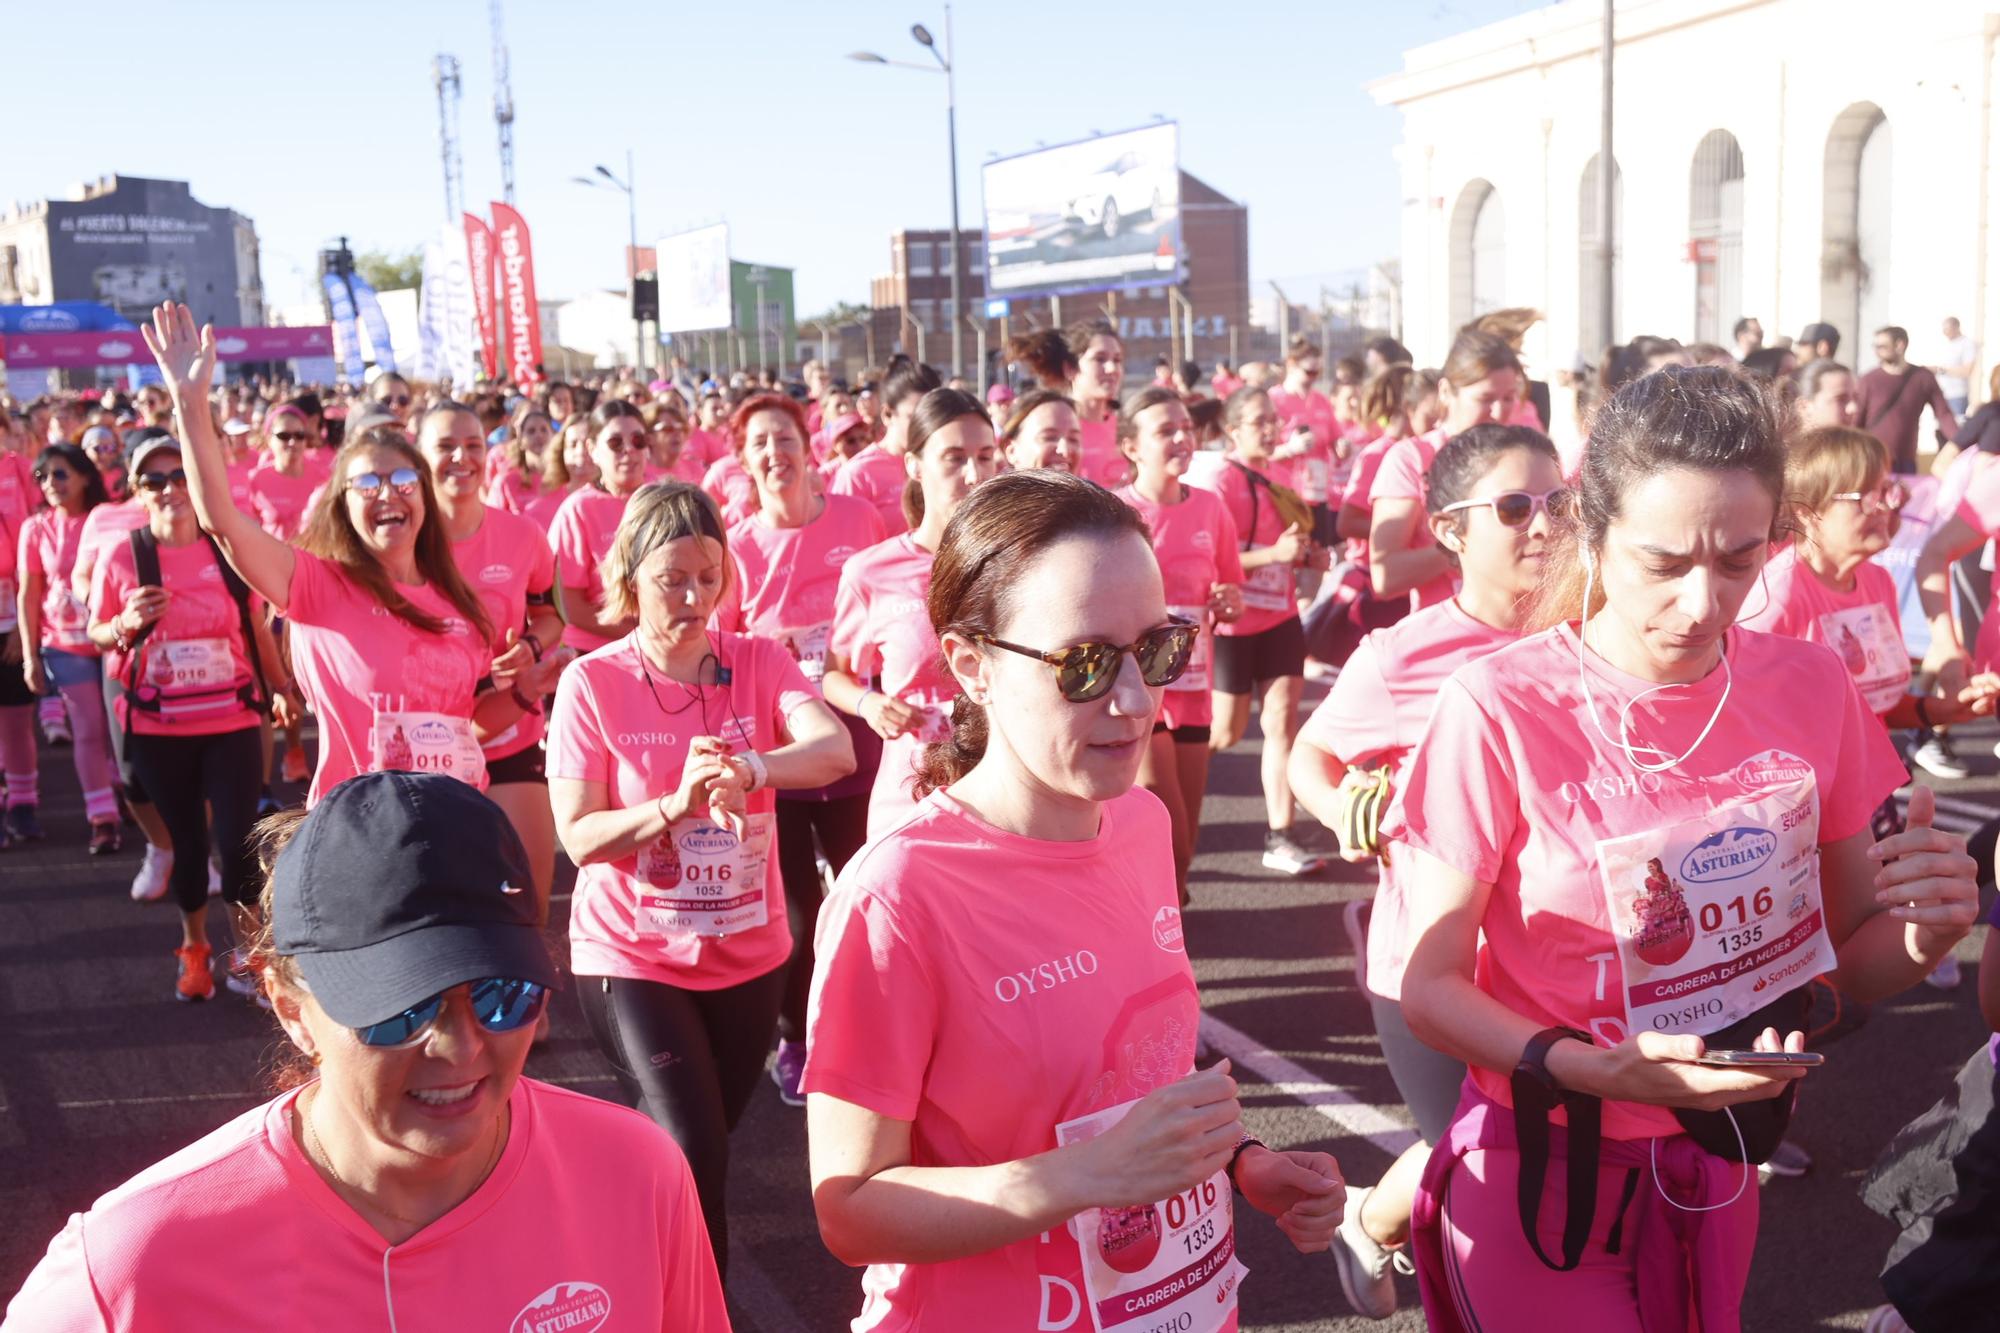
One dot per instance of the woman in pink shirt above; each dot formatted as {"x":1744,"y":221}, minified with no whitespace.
{"x":846,"y":436}
{"x":389,"y":644}
{"x":1041,"y":429}
{"x":281,"y":485}
{"x":878,"y":473}
{"x":882,"y":661}
{"x":566,"y":467}
{"x":1479,"y":383}
{"x":514,"y":470}
{"x":55,"y":623}
{"x":1263,"y":651}
{"x":1633,"y":839}
{"x":664,"y":750}
{"x":789,"y":555}
{"x":670,"y":459}
{"x":1086,"y":361}
{"x":1402,"y":401}
{"x":726,"y":483}
{"x":1194,"y":539}
{"x":1489,"y":496}
{"x":1311,"y":444}
{"x":1020,"y":920}
{"x":411,"y":1178}
{"x":588,"y":521}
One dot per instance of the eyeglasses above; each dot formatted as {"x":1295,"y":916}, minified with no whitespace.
{"x":1517,"y":509}
{"x":291,"y":436}
{"x":394,"y":400}
{"x":110,"y":450}
{"x":1087,"y":671}
{"x":497,"y":1004}
{"x":55,"y":474}
{"x":624,"y":444}
{"x":368,"y":485}
{"x":1886,"y":498}
{"x":160,"y":481}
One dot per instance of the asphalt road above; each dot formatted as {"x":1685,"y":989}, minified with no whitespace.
{"x":103,"y":1073}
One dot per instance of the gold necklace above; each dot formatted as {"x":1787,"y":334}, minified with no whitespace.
{"x":325,"y":1160}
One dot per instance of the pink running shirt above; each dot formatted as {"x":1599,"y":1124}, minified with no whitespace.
{"x":48,"y":547}
{"x":200,"y":617}
{"x":734,"y":493}
{"x":103,"y":527}
{"x":877,"y":476}
{"x":1981,"y":508}
{"x":280,"y":503}
{"x":1311,"y":473}
{"x":790,"y":575}
{"x":1400,"y":476}
{"x":505,"y":561}
{"x":1195,"y":543}
{"x":1098,"y":455}
{"x":1862,"y":625}
{"x":581,"y":537}
{"x":1257,"y":524}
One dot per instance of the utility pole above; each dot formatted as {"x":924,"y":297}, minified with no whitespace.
{"x":444,"y":77}
{"x":503,"y":105}
{"x":1607,"y":194}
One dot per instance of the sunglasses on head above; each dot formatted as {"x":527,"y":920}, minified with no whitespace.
{"x":1517,"y":509}
{"x":52,"y":474}
{"x":291,"y":436}
{"x":499,"y":1005}
{"x":159,"y":481}
{"x":368,"y":485}
{"x":1086,"y":671}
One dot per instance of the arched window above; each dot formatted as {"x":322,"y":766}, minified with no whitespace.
{"x":1715,"y":235}
{"x":1592,"y":334}
{"x":1854,"y":253}
{"x":1478,"y":253}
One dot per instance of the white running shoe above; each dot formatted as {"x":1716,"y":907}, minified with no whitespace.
{"x":150,"y":884}
{"x":1362,"y":1263}
{"x":1885,"y":1319}
{"x":1945,"y":976}
{"x":214,"y":879}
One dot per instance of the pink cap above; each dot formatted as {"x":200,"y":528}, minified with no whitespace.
{"x":842,"y":424}
{"x":1000,"y":393}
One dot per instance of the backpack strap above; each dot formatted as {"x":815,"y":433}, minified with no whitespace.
{"x":239,"y":593}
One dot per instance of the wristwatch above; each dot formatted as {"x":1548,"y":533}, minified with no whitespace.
{"x":1533,"y":1070}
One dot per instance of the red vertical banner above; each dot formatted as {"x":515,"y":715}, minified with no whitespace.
{"x":479,"y":258}
{"x":519,"y":316}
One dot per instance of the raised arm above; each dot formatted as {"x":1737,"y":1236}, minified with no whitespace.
{"x":187,"y":361}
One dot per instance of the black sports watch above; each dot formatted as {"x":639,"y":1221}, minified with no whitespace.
{"x":1533,"y":1069}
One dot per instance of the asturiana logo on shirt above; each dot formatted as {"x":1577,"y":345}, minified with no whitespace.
{"x":567,"y":1307}
{"x":1771,"y":769}
{"x":495,"y":573}
{"x":1730,"y":854}
{"x":1045,"y":976}
{"x":839,"y":556}
{"x":1167,"y":930}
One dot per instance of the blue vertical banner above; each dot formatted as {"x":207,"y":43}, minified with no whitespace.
{"x":346,"y":338}
{"x":369,"y":307}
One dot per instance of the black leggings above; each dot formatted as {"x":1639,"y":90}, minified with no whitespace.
{"x":196,"y":781}
{"x":689,"y":1059}
{"x":842,"y":826}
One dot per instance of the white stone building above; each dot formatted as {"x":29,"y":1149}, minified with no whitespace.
{"x":1794,"y":160}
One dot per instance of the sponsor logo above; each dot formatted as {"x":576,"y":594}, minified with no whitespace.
{"x":211,"y":574}
{"x":1730,"y":854}
{"x":1045,"y":976}
{"x":1770,"y":769}
{"x":648,"y":738}
{"x":1693,"y":1013}
{"x":495,"y":573}
{"x":1204,"y":540}
{"x":230,"y":346}
{"x":1611,"y":787}
{"x":431,"y":733}
{"x":1773,"y":978}
{"x":1167,"y":930}
{"x":567,"y":1307}
{"x":839,"y":556}
{"x":708,"y":840}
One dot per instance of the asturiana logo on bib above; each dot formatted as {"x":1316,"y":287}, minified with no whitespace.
{"x":567,"y":1307}
{"x":708,"y":841}
{"x":431,"y":733}
{"x":1729,"y":854}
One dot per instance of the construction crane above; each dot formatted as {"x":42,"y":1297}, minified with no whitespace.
{"x":503,"y":105}
{"x":444,"y":77}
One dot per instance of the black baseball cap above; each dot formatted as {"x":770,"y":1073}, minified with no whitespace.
{"x":1816,"y":333}
{"x":398,"y":886}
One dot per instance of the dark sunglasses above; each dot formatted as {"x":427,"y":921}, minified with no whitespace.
{"x":394,"y":400}
{"x":368,"y":485}
{"x":1086,"y":671}
{"x":106,"y":450}
{"x":57,"y":474}
{"x":1517,"y":509}
{"x":498,"y":1005}
{"x":159,"y":481}
{"x":624,"y":444}
{"x":291,"y":436}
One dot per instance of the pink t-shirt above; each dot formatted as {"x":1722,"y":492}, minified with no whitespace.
{"x":505,"y":487}
{"x":705,"y":447}
{"x":200,"y":634}
{"x":48,"y":547}
{"x":590,"y":1209}
{"x":620,"y":722}
{"x":686,"y":468}
{"x":505,"y":561}
{"x":353,"y":660}
{"x":542,"y":510}
{"x":882,"y":627}
{"x":789,"y":576}
{"x":1257,"y":524}
{"x":1195,"y":543}
{"x":1098,"y":456}
{"x":734,"y":493}
{"x":1400,"y":476}
{"x":239,"y":474}
{"x":280,"y":503}
{"x":877,"y":476}
{"x":581,"y":536}
{"x":1981,"y":509}
{"x":951,"y":950}
{"x":1361,"y":488}
{"x":1373,"y":717}
{"x":1311,"y":473}
{"x":103,"y":527}
{"x":19,"y":497}
{"x":1513,"y":786}
{"x":1861,"y":625}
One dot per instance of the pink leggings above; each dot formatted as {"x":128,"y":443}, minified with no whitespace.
{"x":91,"y":749}
{"x":20,"y":767}
{"x":1497,"y":1282}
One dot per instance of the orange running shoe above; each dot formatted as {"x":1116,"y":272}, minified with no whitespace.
{"x":195,"y":981}
{"x":295,"y":768}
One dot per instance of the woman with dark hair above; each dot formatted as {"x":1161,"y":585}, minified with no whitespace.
{"x":1019,"y":919}
{"x":878,"y":473}
{"x":1086,"y":361}
{"x":1312,"y":442}
{"x":1041,"y":429}
{"x":882,"y":661}
{"x":55,"y":628}
{"x":664,"y":750}
{"x":587,"y":523}
{"x":1489,"y":498}
{"x":389,"y":644}
{"x":1602,"y":822}
{"x":566,"y":467}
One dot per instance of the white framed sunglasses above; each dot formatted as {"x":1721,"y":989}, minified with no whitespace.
{"x":1517,"y":509}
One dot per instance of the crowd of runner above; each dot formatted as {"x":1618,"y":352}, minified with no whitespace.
{"x":826,"y":696}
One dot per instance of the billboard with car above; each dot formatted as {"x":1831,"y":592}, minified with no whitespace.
{"x":1086,"y":216}
{"x":694,"y":278}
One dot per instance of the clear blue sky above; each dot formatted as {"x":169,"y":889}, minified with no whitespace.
{"x":318,"y":121}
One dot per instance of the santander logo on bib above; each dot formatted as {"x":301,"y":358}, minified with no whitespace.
{"x":567,"y":1307}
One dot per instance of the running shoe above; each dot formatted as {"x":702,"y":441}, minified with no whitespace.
{"x":786,"y":1071}
{"x":295,"y":767}
{"x":55,"y":728}
{"x":104,"y":837}
{"x":1936,"y":757}
{"x":22,"y":824}
{"x":1355,"y":916}
{"x":1788,"y":1159}
{"x":1885,"y":1319}
{"x":242,"y":978}
{"x":214,"y":879}
{"x":1945,"y":976}
{"x":1363,"y":1263}
{"x":194,"y":982}
{"x":150,"y":884}
{"x":1287,"y":857}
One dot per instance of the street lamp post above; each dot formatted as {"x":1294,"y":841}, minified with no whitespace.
{"x":632,"y":253}
{"x":944,"y":66}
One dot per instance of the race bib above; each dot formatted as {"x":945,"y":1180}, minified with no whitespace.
{"x":70,"y":620}
{"x":808,"y":648}
{"x":698,"y":878}
{"x":1195,"y":678}
{"x":1315,"y":476}
{"x":1268,"y":588}
{"x":1865,"y":637}
{"x":1167,"y":1265}
{"x":189,"y":666}
{"x":1717,"y":916}
{"x":418,"y":742}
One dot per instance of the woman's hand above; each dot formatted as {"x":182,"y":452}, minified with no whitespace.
{"x":727,"y":789}
{"x":36,"y":675}
{"x":1302,"y":1190}
{"x":1290,"y":548}
{"x":1174,"y":1138}
{"x":515,"y":656}
{"x":1976,"y":699}
{"x":288,"y":708}
{"x":1927,"y":878}
{"x":1655,"y":1069}
{"x":1318,"y":557}
{"x":143,"y":606}
{"x":887,"y":715}
{"x":186,"y":358}
{"x":1949,"y":663}
{"x":538,"y":679}
{"x":1225,"y":602}
{"x":10,"y":647}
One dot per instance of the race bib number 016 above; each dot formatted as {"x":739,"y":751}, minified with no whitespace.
{"x":701,"y":879}
{"x":417,"y":742}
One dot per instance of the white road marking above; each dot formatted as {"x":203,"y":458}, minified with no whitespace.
{"x":1353,"y":1117}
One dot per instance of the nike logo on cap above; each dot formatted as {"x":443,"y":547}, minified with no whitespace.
{"x":505,"y":887}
